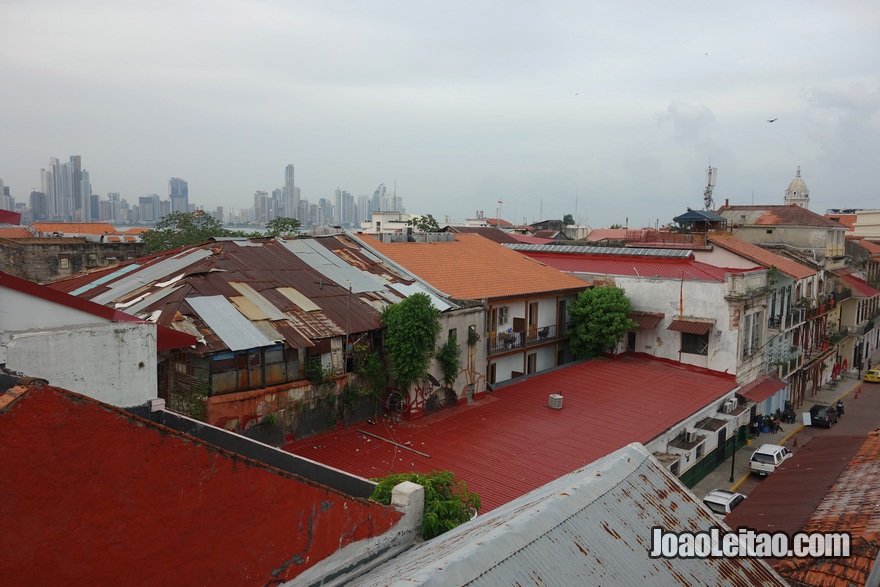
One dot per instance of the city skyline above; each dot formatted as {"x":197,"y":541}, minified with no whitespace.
{"x":606,"y":113}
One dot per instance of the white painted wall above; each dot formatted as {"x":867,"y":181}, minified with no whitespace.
{"x":21,"y":311}
{"x":112,"y":362}
{"x":700,"y":299}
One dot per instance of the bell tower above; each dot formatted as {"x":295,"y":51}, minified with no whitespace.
{"x":797,"y":193}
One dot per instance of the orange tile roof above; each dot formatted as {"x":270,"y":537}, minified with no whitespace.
{"x":762,"y":256}
{"x":779,"y":215}
{"x":15,"y":232}
{"x":74,"y":227}
{"x":472,"y":267}
{"x":137,"y":230}
{"x":848,"y":220}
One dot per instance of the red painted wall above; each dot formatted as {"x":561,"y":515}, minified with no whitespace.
{"x":92,"y":496}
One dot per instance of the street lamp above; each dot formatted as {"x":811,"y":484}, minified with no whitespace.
{"x":733,"y":456}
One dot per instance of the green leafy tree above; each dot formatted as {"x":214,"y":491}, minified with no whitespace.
{"x":449,"y":358}
{"x":282,"y":226}
{"x":412,"y":327}
{"x":448,"y":502}
{"x":615,"y":226}
{"x":599,"y":319}
{"x":568,"y":220}
{"x":182,"y":228}
{"x":425,"y":223}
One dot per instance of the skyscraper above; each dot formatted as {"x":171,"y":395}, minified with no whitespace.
{"x":289,"y":200}
{"x":178,"y":193}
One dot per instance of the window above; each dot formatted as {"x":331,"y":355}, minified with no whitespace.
{"x":700,"y":449}
{"x":65,"y":263}
{"x":769,"y":231}
{"x":453,"y":333}
{"x":695,"y":344}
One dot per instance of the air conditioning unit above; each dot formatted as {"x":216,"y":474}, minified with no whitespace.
{"x":503,"y":314}
{"x":730,"y":405}
{"x":556,"y":401}
{"x":690,"y":435}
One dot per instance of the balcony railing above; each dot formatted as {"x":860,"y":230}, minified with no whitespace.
{"x":535,"y":335}
{"x":788,"y":320}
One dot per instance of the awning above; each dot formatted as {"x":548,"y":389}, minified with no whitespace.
{"x":761,"y":388}
{"x":691,"y":326}
{"x":646,"y":319}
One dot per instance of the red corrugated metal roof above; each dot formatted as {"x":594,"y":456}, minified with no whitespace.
{"x":690,"y":326}
{"x":860,"y":286}
{"x":634,"y":266}
{"x":646,"y":319}
{"x":510,"y":442}
{"x":761,"y":388}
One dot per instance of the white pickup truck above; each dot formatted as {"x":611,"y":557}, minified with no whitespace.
{"x":767,"y":458}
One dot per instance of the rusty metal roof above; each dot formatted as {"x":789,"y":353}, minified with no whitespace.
{"x":590,"y":527}
{"x":272,"y":285}
{"x":691,"y":326}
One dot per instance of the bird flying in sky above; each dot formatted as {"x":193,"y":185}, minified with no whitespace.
{"x":772,"y":119}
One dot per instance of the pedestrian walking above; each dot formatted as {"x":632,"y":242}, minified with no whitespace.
{"x":839,"y":407}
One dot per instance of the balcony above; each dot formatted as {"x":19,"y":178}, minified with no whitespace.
{"x":788,"y":320}
{"x":536,"y":335}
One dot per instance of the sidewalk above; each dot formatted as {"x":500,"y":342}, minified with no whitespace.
{"x":720,"y":478}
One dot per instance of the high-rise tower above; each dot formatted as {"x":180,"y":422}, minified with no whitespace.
{"x":178,"y":193}
{"x":289,"y":199}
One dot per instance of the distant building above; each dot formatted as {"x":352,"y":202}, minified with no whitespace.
{"x":178,"y":193}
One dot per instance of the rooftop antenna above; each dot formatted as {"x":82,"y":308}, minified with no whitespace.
{"x":711,"y":174}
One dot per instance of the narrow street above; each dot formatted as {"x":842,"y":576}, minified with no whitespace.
{"x":861,"y":415}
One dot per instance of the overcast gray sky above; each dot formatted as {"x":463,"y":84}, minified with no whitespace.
{"x":603,"y":110}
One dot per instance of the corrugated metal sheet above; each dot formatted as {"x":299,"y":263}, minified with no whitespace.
{"x":149,"y":274}
{"x":531,"y":445}
{"x":304,"y":303}
{"x":248,"y":308}
{"x":761,"y":388}
{"x":408,"y":290}
{"x":332,"y":267}
{"x":590,"y":527}
{"x":105,"y":279}
{"x":259,"y":301}
{"x":646,"y":320}
{"x":236,"y":332}
{"x":585,"y":250}
{"x":187,"y":327}
{"x":151,"y":299}
{"x":690,"y":326}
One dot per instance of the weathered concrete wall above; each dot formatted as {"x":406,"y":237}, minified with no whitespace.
{"x":49,"y":259}
{"x":111,"y":362}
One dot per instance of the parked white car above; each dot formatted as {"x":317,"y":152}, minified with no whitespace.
{"x":767,"y":458}
{"x":722,"y":501}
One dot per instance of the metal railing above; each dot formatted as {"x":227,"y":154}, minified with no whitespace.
{"x":534,"y":335}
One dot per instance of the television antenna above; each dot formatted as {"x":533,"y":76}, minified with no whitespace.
{"x":711,"y":174}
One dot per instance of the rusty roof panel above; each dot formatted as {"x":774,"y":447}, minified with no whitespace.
{"x":332,"y":267}
{"x":150,"y":273}
{"x":590,"y":527}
